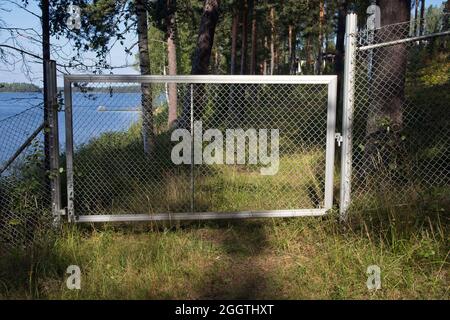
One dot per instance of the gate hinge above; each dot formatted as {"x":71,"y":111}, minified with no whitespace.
{"x":60,"y":212}
{"x":339,"y":138}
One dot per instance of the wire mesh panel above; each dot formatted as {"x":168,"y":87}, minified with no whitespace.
{"x":401,"y":131}
{"x":288,"y":172}
{"x":122,"y":152}
{"x":235,"y":147}
{"x":25,"y":204}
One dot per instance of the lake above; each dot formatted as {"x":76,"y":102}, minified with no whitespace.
{"x":93,"y":114}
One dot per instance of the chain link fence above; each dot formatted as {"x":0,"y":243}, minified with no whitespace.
{"x":123,"y":154}
{"x":25,"y":209}
{"x":401,"y":129}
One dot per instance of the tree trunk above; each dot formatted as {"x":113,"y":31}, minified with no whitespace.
{"x":445,"y":25}
{"x":205,"y":38}
{"x":201,"y":60}
{"x":272,"y":40}
{"x":45,"y":20}
{"x":254,"y":39}
{"x":309,"y":58}
{"x":291,"y":48}
{"x":319,"y":61}
{"x":244,"y":9}
{"x":266,"y":47}
{"x":234,"y":29}
{"x":447,"y":13}
{"x":385,"y":119}
{"x":422,"y":17}
{"x":144,"y":65}
{"x":340,"y":40}
{"x":416,"y":16}
{"x":172,"y":60}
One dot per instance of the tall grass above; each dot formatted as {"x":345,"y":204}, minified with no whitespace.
{"x":278,"y":258}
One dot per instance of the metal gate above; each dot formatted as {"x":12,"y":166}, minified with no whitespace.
{"x":241,"y":147}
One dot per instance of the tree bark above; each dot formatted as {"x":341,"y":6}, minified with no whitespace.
{"x":45,"y":21}
{"x":272,"y":40}
{"x":244,"y":9}
{"x":385,"y":119}
{"x":205,"y":38}
{"x":308,"y":52}
{"x":422,"y":17}
{"x":144,"y":65}
{"x":445,"y":25}
{"x":201,"y":60}
{"x":291,"y":49}
{"x":234,"y":30}
{"x":416,"y":15}
{"x":254,"y":39}
{"x":172,"y":60}
{"x":319,"y":61}
{"x":340,"y":41}
{"x":266,"y":47}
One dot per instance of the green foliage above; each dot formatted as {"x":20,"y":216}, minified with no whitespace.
{"x":24,"y":195}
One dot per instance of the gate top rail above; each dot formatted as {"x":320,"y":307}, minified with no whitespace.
{"x":250,"y":79}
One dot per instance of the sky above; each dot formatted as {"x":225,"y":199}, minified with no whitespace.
{"x":16,"y":17}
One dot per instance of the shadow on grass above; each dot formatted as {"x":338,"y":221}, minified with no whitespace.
{"x":239,"y":274}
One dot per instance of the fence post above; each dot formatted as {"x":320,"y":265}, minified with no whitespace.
{"x":53,"y":137}
{"x":192,"y":149}
{"x":69,"y":149}
{"x":347,"y":115}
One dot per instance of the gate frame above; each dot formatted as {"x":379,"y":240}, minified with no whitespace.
{"x":330,"y":81}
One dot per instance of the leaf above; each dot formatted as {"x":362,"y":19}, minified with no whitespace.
{"x":14,"y":222}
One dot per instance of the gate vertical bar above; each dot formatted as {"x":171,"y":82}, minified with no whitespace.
{"x":192,"y":148}
{"x":53,"y":134}
{"x":69,"y":148}
{"x":330,"y":151}
{"x":347,"y":115}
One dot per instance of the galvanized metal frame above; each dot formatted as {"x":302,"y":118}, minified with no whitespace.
{"x":330,"y":81}
{"x":69,"y":147}
{"x":402,"y":41}
{"x":347,"y":114}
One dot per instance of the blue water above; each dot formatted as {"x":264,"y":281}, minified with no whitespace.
{"x":93,"y":115}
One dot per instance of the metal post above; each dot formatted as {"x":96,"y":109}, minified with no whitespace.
{"x":192,"y":149}
{"x":347,"y":117}
{"x":373,"y":23}
{"x":331,"y":130}
{"x":53,"y":133}
{"x":69,"y":148}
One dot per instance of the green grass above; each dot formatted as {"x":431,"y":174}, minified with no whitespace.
{"x":306,"y":258}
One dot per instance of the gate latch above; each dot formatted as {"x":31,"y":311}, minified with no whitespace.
{"x":339,"y":138}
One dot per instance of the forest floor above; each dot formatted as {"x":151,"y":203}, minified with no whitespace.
{"x":306,"y":258}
